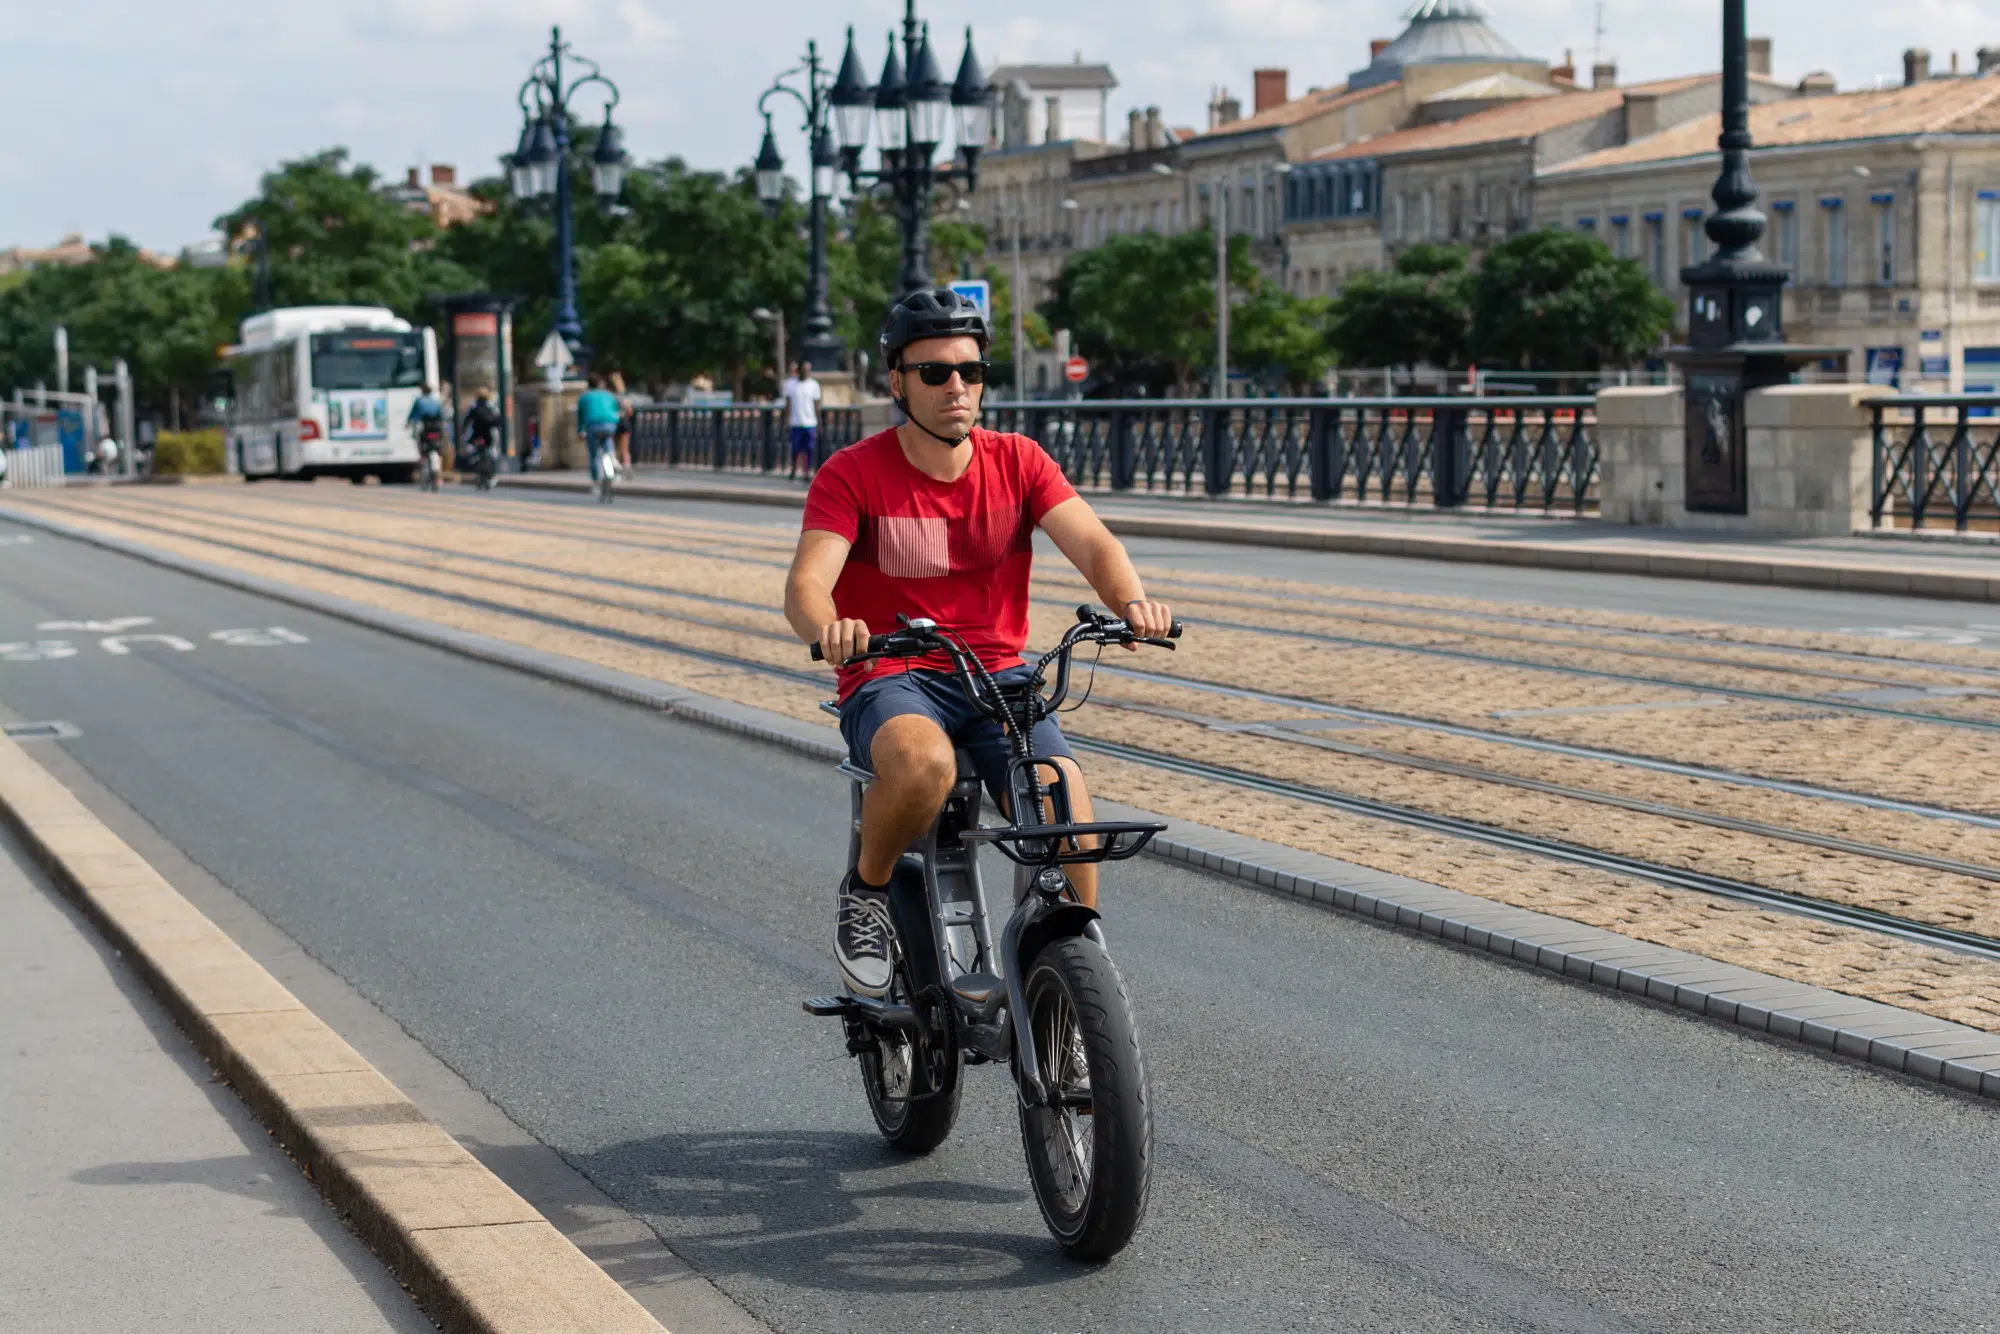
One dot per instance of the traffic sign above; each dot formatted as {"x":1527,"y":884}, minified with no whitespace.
{"x":976,"y":290}
{"x":554,"y":353}
{"x":1076,"y":370}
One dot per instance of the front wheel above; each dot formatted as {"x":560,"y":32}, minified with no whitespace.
{"x":1090,"y":1155}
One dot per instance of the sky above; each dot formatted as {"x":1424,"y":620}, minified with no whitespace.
{"x":149,"y":118}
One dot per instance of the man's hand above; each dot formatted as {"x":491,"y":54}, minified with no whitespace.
{"x":1148,"y":619}
{"x":841,"y":640}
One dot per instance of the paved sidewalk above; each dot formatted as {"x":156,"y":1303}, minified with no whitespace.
{"x":1934,"y":565}
{"x":135,"y":1193}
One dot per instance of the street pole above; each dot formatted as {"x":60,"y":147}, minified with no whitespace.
{"x":1219,"y":219}
{"x":62,"y":358}
{"x":567,"y":323}
{"x":1020,"y":294}
{"x":121,"y":375}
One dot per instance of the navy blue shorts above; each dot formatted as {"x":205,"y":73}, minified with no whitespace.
{"x":939,"y":697}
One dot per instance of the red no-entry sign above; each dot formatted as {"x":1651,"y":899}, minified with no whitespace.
{"x":1076,"y":370}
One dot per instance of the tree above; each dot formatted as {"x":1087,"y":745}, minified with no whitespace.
{"x":957,"y":247}
{"x":1141,"y":307}
{"x":1282,"y":335}
{"x":1417,"y":313}
{"x":1555,"y":300}
{"x":334,"y":238}
{"x":165,"y":322}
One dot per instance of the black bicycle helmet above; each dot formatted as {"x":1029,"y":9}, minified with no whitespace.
{"x":936,"y":312}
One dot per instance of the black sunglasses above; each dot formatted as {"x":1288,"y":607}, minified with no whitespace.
{"x":937,"y":374}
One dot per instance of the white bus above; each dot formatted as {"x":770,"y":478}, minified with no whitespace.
{"x":325,"y":391}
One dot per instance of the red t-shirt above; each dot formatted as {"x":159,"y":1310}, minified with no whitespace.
{"x":956,"y":552}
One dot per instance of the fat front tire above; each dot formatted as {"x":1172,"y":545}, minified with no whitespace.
{"x":890,"y":1067}
{"x":1091,"y":1157}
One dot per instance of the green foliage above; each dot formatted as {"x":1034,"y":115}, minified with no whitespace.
{"x":1417,"y":312}
{"x":166,"y":323}
{"x":177,"y":453}
{"x":1555,"y":300}
{"x":1282,"y":335}
{"x":335,"y":239}
{"x":862,"y":257}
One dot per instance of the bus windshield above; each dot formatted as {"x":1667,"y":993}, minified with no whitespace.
{"x":370,"y":360}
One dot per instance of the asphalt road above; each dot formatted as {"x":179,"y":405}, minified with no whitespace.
{"x":603,"y":920}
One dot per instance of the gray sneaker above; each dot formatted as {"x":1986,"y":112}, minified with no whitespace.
{"x":861,"y":937}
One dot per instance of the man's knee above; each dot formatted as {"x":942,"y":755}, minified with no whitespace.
{"x":912,"y":751}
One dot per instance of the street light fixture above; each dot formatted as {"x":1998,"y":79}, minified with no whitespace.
{"x":540,"y":165}
{"x":891,"y":123}
{"x":972,"y":98}
{"x":770,"y":170}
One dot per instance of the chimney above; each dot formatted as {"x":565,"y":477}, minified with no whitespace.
{"x":1988,"y":58}
{"x":1816,"y":84}
{"x":444,"y":174}
{"x":1954,"y":64}
{"x":1376,"y":46}
{"x":1135,"y":130}
{"x":1222,"y":109}
{"x":1642,"y":115}
{"x":1604,"y":74}
{"x":1270,"y":88}
{"x":1757,"y":54}
{"x":1565,"y":72}
{"x":414,"y":179}
{"x":1156,"y":129}
{"x":1916,"y":66}
{"x":1052,"y":132}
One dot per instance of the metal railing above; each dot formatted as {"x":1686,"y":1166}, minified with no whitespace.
{"x":1513,"y":452}
{"x":1935,"y":456}
{"x":750,"y":436}
{"x":34,"y":466}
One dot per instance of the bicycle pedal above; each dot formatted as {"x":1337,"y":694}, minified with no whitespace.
{"x":826,"y":1006}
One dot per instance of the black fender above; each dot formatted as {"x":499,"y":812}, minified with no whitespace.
{"x":1034,"y":924}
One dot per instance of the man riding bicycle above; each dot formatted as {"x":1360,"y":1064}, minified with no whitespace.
{"x":597,"y":413}
{"x":427,"y":408}
{"x":935,"y":518}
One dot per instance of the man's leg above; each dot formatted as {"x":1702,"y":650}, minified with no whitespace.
{"x":914,"y":769}
{"x":1083,"y":875}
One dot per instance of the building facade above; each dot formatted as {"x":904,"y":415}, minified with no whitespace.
{"x":1884,"y":204}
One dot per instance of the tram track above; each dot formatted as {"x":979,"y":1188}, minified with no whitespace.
{"x":1909,"y":929}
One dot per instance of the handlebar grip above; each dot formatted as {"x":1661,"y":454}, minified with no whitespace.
{"x":1174,"y":630}
{"x":876,"y":643}
{"x":817,"y":656}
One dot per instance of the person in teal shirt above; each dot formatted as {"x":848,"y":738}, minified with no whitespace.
{"x":597,"y":412}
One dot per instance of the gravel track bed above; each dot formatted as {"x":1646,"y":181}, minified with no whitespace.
{"x":1935,"y":982}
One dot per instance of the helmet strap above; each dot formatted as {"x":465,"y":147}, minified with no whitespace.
{"x":903,"y":406}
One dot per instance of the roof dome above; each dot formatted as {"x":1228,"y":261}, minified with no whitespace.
{"x":1440,"y":31}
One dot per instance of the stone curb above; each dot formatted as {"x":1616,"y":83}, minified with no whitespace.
{"x":1906,"y":1042}
{"x":477,"y":1256}
{"x":1778,"y":572}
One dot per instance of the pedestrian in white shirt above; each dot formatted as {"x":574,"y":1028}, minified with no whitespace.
{"x":801,"y":394}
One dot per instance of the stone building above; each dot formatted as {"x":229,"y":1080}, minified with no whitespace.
{"x":1885,"y":205}
{"x":1466,"y":173}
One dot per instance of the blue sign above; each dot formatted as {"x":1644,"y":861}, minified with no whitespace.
{"x":1885,"y":365}
{"x":69,"y":430}
{"x":976,"y":290}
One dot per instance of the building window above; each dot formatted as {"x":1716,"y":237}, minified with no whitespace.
{"x":1402,"y":219}
{"x":1788,"y":234}
{"x":1621,"y":235}
{"x":1656,"y":248}
{"x":1834,"y":222}
{"x":1986,"y":237}
{"x":1692,"y":235}
{"x":1312,"y":283}
{"x":1885,"y":239}
{"x":1430,"y":214}
{"x":1587,"y":225}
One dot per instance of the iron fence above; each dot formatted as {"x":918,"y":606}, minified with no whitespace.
{"x":750,"y":436}
{"x":1935,"y":455}
{"x":1513,"y":453}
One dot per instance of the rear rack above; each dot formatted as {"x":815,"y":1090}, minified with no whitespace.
{"x":1122,"y":839}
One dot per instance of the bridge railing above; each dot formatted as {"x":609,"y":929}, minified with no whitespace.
{"x":1512,"y":452}
{"x":1935,"y":460}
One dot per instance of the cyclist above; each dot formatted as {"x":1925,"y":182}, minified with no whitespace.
{"x":936,"y":518}
{"x":428,"y":407}
{"x":482,"y":428}
{"x":597,"y":413}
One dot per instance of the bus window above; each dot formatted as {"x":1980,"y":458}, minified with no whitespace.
{"x":367,"y":360}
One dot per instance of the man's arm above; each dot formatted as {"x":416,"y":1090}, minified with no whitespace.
{"x":816,"y":565}
{"x":1101,"y":558}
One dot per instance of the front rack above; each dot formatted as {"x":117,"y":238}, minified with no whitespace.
{"x":1122,"y":839}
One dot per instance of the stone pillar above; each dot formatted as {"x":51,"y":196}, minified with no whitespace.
{"x":1809,"y":454}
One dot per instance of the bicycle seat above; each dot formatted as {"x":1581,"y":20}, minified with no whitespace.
{"x":980,"y":995}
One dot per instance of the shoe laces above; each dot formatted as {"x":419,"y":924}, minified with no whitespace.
{"x":863,"y":925}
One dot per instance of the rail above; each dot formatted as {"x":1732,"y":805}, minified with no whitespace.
{"x":34,"y":466}
{"x":1935,"y":455}
{"x":1514,"y":452}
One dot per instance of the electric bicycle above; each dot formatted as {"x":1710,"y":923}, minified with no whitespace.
{"x":430,"y":442}
{"x":1045,"y":998}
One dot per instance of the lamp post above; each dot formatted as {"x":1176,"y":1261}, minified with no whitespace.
{"x":539,"y":167}
{"x":912,"y":109}
{"x":821,"y":348}
{"x":1736,"y":337}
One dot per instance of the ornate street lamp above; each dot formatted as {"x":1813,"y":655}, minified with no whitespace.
{"x":540,"y":165}
{"x":770,"y":172}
